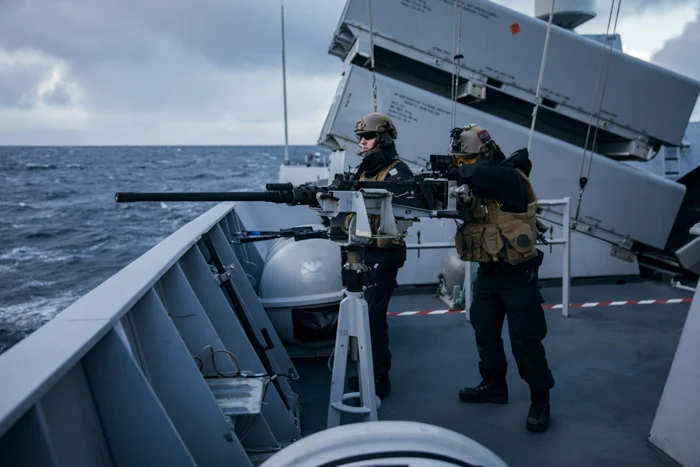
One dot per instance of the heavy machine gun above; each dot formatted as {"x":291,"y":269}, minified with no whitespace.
{"x":397,"y":204}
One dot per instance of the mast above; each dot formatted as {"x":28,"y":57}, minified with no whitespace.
{"x":284,"y":89}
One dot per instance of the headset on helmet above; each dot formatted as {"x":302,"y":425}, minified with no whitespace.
{"x":470,"y":142}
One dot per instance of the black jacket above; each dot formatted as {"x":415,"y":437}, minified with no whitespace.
{"x":499,"y":180}
{"x":371,"y":165}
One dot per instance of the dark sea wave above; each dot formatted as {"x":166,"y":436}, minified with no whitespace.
{"x":62,"y":234}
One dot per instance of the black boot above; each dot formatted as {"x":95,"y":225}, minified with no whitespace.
{"x":495,"y":392}
{"x":538,"y":417}
{"x":382,"y":385}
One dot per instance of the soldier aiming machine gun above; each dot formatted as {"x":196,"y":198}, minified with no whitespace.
{"x":397,"y":204}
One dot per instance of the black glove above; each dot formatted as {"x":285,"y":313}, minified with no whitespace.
{"x":452,"y":173}
{"x":465,"y":172}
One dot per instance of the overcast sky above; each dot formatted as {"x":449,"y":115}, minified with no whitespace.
{"x":209,"y":71}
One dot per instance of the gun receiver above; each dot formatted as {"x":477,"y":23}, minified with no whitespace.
{"x":440,"y":164}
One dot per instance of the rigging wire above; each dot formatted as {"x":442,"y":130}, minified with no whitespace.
{"x":371,"y":55}
{"x":456,"y":57}
{"x":539,"y":81}
{"x":583,"y":181}
{"x":454,"y":48}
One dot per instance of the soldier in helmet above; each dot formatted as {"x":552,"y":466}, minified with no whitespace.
{"x":380,"y":161}
{"x":500,"y":233}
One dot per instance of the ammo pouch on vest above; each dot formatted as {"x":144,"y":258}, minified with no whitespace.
{"x":489,"y":234}
{"x":513,"y":242}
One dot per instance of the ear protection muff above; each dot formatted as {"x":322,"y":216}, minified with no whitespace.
{"x":392,"y":130}
{"x":455,"y":142}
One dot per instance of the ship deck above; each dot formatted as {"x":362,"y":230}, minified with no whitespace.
{"x":610,"y":363}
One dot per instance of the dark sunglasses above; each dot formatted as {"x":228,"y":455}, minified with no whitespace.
{"x":367,"y":135}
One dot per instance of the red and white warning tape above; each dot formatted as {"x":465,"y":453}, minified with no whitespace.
{"x":549,"y":306}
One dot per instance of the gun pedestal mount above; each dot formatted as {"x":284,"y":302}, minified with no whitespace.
{"x":353,"y":340}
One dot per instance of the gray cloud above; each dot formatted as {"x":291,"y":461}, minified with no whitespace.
{"x":180,"y":60}
{"x":630,"y":7}
{"x":233,"y":34}
{"x":182,"y":57}
{"x":17,"y":87}
{"x":59,"y":96}
{"x":681,"y":53}
{"x":28,"y":78}
{"x":602,"y":7}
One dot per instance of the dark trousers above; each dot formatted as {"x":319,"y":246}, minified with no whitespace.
{"x":378,"y":297}
{"x":384,"y":265}
{"x":512,"y":292}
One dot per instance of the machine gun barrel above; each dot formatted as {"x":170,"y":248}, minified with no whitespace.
{"x":426,"y":192}
{"x":267,"y":196}
{"x":281,"y":193}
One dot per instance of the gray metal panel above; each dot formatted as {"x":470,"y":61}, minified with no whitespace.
{"x":72,"y":424}
{"x":675,"y":427}
{"x":620,"y":201}
{"x":590,"y":257}
{"x":639,"y":96}
{"x":191,"y":322}
{"x":233,"y":337}
{"x":218,"y":310}
{"x":33,"y":366}
{"x":197,"y":332}
{"x":182,"y":390}
{"x":602,"y":38}
{"x":137,"y":427}
{"x":282,"y":364}
{"x":247,"y":253}
{"x":25,"y":443}
{"x":689,"y":255}
{"x":689,"y":157}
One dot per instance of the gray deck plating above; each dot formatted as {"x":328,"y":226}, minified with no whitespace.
{"x":610,"y":365}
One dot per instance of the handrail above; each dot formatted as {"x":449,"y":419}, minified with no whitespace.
{"x":564,"y":240}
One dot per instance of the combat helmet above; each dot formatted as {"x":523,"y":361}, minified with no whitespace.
{"x":469,"y":143}
{"x":380,"y":125}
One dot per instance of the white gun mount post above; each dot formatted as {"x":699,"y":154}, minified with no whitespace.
{"x":353,"y":335}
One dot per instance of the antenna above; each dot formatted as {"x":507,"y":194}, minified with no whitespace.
{"x":284,"y":89}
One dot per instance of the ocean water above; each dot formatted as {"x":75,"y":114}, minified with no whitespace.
{"x":62,"y":233}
